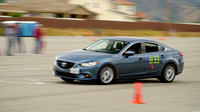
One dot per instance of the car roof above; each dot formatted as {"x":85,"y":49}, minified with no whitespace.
{"x":129,"y":39}
{"x":136,"y":39}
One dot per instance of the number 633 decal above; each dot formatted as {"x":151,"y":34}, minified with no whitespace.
{"x":154,"y":59}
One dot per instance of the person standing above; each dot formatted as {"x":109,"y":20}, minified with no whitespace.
{"x":38,"y":39}
{"x":10,"y":33}
{"x":19,"y":39}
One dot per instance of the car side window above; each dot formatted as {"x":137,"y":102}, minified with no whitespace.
{"x":136,"y":48}
{"x":151,"y":47}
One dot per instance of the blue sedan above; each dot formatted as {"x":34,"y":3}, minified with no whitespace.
{"x":115,"y":58}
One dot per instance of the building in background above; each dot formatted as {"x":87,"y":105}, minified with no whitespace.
{"x":52,"y":9}
{"x":8,"y":1}
{"x":119,"y":10}
{"x":9,"y":10}
{"x":111,"y":9}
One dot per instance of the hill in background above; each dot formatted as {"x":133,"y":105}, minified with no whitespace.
{"x":178,"y":11}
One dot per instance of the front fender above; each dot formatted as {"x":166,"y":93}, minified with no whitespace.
{"x":108,"y":62}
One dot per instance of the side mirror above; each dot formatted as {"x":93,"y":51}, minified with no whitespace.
{"x":129,"y":53}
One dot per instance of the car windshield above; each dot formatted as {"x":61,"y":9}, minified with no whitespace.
{"x":107,"y":46}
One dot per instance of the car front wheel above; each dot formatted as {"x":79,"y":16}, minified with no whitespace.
{"x":168,"y":73}
{"x":106,"y":75}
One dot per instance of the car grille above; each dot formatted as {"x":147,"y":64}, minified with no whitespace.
{"x":67,"y":66}
{"x":65,"y":74}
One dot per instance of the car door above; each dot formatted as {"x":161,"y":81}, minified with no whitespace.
{"x":131,"y":66}
{"x":153,"y":58}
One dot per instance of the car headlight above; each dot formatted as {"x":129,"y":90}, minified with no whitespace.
{"x":89,"y":64}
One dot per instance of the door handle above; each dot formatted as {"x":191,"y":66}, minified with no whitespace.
{"x":140,"y":59}
{"x":162,"y":56}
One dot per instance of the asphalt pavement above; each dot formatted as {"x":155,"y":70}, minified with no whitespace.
{"x":27,"y":83}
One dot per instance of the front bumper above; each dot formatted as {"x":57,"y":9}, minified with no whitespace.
{"x":86,"y":73}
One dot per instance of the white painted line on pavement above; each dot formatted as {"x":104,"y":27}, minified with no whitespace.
{"x":32,"y":81}
{"x":35,"y":81}
{"x":24,"y":69}
{"x":196,"y":111}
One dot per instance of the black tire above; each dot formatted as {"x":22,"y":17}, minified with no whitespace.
{"x":168,"y":73}
{"x":106,"y":75}
{"x":67,"y":80}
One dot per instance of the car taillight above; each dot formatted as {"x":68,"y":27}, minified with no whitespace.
{"x":180,"y":53}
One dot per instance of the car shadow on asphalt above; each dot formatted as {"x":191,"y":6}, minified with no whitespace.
{"x":129,"y":81}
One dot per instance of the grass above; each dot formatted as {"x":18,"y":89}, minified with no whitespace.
{"x":111,"y":32}
{"x":188,"y":34}
{"x":1,"y":30}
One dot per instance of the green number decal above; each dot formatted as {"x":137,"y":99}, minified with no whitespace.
{"x":156,"y":59}
{"x":150,"y":60}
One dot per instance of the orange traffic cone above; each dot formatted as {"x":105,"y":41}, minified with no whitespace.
{"x":163,"y":39}
{"x":138,"y":96}
{"x":93,"y":39}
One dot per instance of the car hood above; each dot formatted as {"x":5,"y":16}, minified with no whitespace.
{"x":79,"y":56}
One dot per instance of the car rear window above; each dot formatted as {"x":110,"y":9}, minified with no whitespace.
{"x":161,"y":48}
{"x":151,"y":47}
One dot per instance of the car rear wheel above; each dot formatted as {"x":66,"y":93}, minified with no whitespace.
{"x":106,"y":75}
{"x":168,"y":73}
{"x":67,"y":80}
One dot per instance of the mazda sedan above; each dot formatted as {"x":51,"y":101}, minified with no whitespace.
{"x":114,"y":58}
